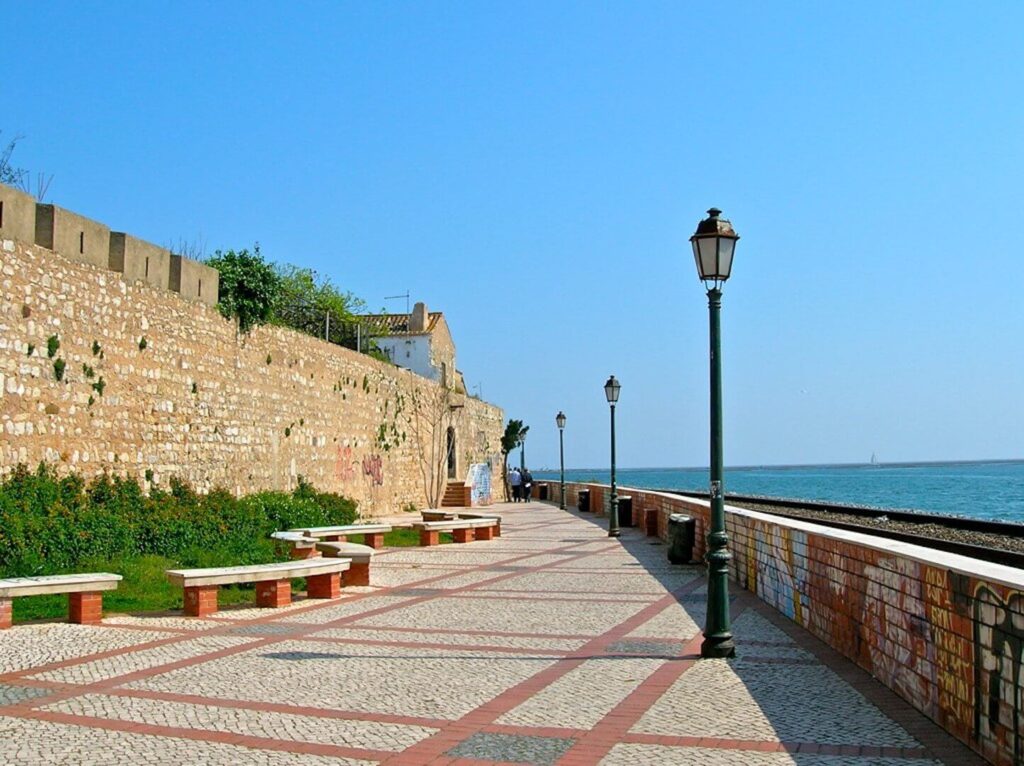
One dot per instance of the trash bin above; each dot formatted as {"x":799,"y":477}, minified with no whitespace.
{"x":542,"y":491}
{"x":682,"y":534}
{"x":626,"y":511}
{"x":583,"y":500}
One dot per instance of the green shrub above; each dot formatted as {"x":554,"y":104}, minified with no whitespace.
{"x":51,"y":524}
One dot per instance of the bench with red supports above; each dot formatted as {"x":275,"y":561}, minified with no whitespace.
{"x":463,"y":530}
{"x":85,"y":594}
{"x":273,"y":582}
{"x":373,"y":534}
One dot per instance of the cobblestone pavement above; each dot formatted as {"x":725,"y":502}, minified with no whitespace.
{"x":551,"y":645}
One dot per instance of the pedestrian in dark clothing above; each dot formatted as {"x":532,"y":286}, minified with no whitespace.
{"x":527,"y":484}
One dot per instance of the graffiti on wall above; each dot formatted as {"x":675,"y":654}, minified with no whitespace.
{"x":998,"y":666}
{"x":480,"y":479}
{"x":373,"y":467}
{"x":902,"y":650}
{"x":344,"y":465}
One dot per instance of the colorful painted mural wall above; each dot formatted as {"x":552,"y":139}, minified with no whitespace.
{"x":945,"y":632}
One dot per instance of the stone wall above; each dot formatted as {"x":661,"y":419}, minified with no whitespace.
{"x":156,"y":383}
{"x":943,"y":631}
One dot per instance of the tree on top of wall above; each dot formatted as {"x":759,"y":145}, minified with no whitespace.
{"x":21,"y":178}
{"x":514,"y":432}
{"x":249,"y":286}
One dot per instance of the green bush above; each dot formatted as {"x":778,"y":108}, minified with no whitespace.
{"x":51,"y":524}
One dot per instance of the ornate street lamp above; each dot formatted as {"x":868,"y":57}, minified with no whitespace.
{"x":714,"y":244}
{"x":611,"y":392}
{"x":560,"y":422}
{"x":522,"y":452}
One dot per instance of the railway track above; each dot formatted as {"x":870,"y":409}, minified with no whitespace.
{"x":998,"y":542}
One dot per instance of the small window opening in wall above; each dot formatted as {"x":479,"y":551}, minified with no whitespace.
{"x":200,"y":288}
{"x":81,"y":242}
{"x":147,"y":267}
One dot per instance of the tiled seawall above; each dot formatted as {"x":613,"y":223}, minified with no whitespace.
{"x":156,"y":384}
{"x":945,"y":632}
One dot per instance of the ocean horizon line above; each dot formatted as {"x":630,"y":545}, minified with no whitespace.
{"x":792,"y":466}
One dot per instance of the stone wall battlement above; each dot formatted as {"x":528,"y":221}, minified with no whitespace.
{"x":81,"y":239}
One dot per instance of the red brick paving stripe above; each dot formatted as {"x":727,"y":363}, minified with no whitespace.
{"x":610,"y":730}
{"x":208,"y":735}
{"x":486,"y":714}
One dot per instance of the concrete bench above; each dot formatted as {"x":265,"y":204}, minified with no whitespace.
{"x":273,"y":582}
{"x":85,"y":594}
{"x":302,"y":547}
{"x":359,"y":555}
{"x":373,"y":534}
{"x":439,"y":515}
{"x":463,"y":530}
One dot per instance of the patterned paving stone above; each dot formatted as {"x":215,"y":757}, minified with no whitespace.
{"x":33,"y":743}
{"x":346,"y":608}
{"x":464,"y":639}
{"x":755,"y":701}
{"x":163,"y":622}
{"x":10,"y":694}
{"x":521,"y":616}
{"x":653,"y":648}
{"x":663,"y":755}
{"x":585,"y":695}
{"x":28,"y":646}
{"x":433,"y":683}
{"x":120,"y":664}
{"x":677,"y":621}
{"x":541,"y":751}
{"x":370,"y":735}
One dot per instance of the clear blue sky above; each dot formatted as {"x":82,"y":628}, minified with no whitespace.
{"x":535,"y":170}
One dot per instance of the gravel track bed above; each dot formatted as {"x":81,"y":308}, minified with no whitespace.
{"x":924,"y":529}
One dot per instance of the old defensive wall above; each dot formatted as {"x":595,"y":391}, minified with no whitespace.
{"x":114,"y":358}
{"x":945,"y":632}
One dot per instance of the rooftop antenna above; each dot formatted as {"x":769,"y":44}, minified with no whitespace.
{"x":396,"y":297}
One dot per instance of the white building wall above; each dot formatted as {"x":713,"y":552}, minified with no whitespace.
{"x":412,"y":353}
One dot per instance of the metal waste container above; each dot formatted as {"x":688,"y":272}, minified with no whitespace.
{"x":682,"y":534}
{"x":626,"y":511}
{"x":583,"y":500}
{"x":542,"y":492}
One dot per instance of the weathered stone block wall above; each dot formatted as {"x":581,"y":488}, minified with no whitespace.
{"x":138,"y":259}
{"x":154,"y":382}
{"x":945,"y":632}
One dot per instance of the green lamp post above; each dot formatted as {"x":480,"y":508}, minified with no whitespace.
{"x":560,"y":422}
{"x":714,"y":244}
{"x":611,"y":392}
{"x":522,"y":452}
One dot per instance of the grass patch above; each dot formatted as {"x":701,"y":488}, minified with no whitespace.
{"x":404,"y":537}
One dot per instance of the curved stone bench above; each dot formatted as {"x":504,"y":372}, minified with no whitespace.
{"x":360,"y":555}
{"x":85,"y":594}
{"x":273,"y":582}
{"x":463,"y":530}
{"x":440,"y":515}
{"x":302,"y":547}
{"x":373,"y":534}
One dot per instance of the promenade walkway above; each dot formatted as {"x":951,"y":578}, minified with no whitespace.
{"x":549,"y":645}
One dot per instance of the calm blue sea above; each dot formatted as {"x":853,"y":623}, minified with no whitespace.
{"x":984,"y":490}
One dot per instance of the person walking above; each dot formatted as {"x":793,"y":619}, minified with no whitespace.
{"x":527,"y":481}
{"x":516,"y":482}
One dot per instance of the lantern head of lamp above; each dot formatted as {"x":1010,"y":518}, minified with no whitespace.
{"x":560,"y":420}
{"x":611,"y":390}
{"x":714,"y":244}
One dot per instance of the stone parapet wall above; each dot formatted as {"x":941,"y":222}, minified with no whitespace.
{"x":152,"y":382}
{"x":943,"y":631}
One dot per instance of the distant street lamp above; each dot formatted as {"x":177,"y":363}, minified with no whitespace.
{"x":560,"y":422}
{"x":611,"y":392}
{"x":522,"y":452}
{"x":714,"y":244}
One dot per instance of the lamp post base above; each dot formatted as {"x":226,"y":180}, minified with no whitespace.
{"x":718,"y":647}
